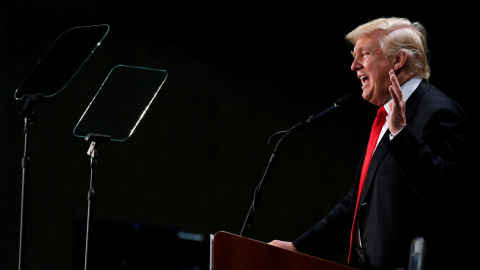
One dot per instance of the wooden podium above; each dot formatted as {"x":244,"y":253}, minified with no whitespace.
{"x":232,"y":252}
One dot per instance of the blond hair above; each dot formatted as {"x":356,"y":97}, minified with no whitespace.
{"x":399,"y":34}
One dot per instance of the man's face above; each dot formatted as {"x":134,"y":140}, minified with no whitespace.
{"x":372,"y":67}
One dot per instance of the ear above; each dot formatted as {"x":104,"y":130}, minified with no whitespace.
{"x":400,"y":60}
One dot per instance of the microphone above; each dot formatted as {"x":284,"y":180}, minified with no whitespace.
{"x":338,"y":106}
{"x":417,"y":254}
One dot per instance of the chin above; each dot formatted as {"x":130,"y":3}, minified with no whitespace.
{"x":365,"y":96}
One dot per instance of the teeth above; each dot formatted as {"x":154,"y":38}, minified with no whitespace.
{"x":363,"y":79}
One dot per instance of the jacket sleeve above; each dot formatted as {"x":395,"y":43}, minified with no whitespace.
{"x":432,"y":153}
{"x":331,"y":236}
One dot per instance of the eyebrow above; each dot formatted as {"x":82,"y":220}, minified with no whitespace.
{"x":364,"y":48}
{"x":358,"y":49}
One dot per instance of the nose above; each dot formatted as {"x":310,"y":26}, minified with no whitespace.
{"x":355,"y":65}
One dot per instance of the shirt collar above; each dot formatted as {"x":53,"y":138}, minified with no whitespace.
{"x":407,"y":89}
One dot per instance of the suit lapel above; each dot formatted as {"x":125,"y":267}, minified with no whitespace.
{"x":378,"y":155}
{"x":416,"y":96}
{"x":381,"y":150}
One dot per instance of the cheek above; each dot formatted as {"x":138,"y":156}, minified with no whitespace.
{"x":367,"y":94}
{"x":380,"y":78}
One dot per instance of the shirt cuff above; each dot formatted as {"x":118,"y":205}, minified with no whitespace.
{"x":393,"y":135}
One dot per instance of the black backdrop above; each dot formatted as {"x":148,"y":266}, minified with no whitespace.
{"x":236,"y":75}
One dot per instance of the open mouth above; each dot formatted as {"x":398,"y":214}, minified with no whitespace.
{"x":364,"y":79}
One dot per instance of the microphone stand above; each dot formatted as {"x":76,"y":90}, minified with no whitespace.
{"x":336,"y":108}
{"x":93,"y":139}
{"x":260,"y":185}
{"x":27,"y":113}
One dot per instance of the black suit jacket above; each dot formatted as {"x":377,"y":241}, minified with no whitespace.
{"x":408,"y":190}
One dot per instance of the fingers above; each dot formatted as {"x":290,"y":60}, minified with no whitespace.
{"x":394,"y":89}
{"x":283,"y":244}
{"x":396,"y":117}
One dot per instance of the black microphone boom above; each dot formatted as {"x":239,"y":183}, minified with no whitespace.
{"x":338,"y":106}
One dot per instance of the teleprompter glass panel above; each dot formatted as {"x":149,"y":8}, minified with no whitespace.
{"x":62,"y":61}
{"x":121,"y":102}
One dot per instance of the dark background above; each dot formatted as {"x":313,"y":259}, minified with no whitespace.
{"x":236,"y":75}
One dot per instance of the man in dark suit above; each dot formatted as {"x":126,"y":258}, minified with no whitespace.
{"x":408,"y":187}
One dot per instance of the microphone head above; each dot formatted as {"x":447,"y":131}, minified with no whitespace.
{"x":338,"y":106}
{"x":347,"y":101}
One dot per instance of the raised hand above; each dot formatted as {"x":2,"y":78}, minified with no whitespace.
{"x":396,"y":119}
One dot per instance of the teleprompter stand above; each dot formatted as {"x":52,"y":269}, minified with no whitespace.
{"x":116,"y":110}
{"x":50,"y":76}
{"x":94,"y":140}
{"x":27,"y":114}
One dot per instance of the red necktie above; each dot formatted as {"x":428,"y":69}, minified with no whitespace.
{"x":372,"y":143}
